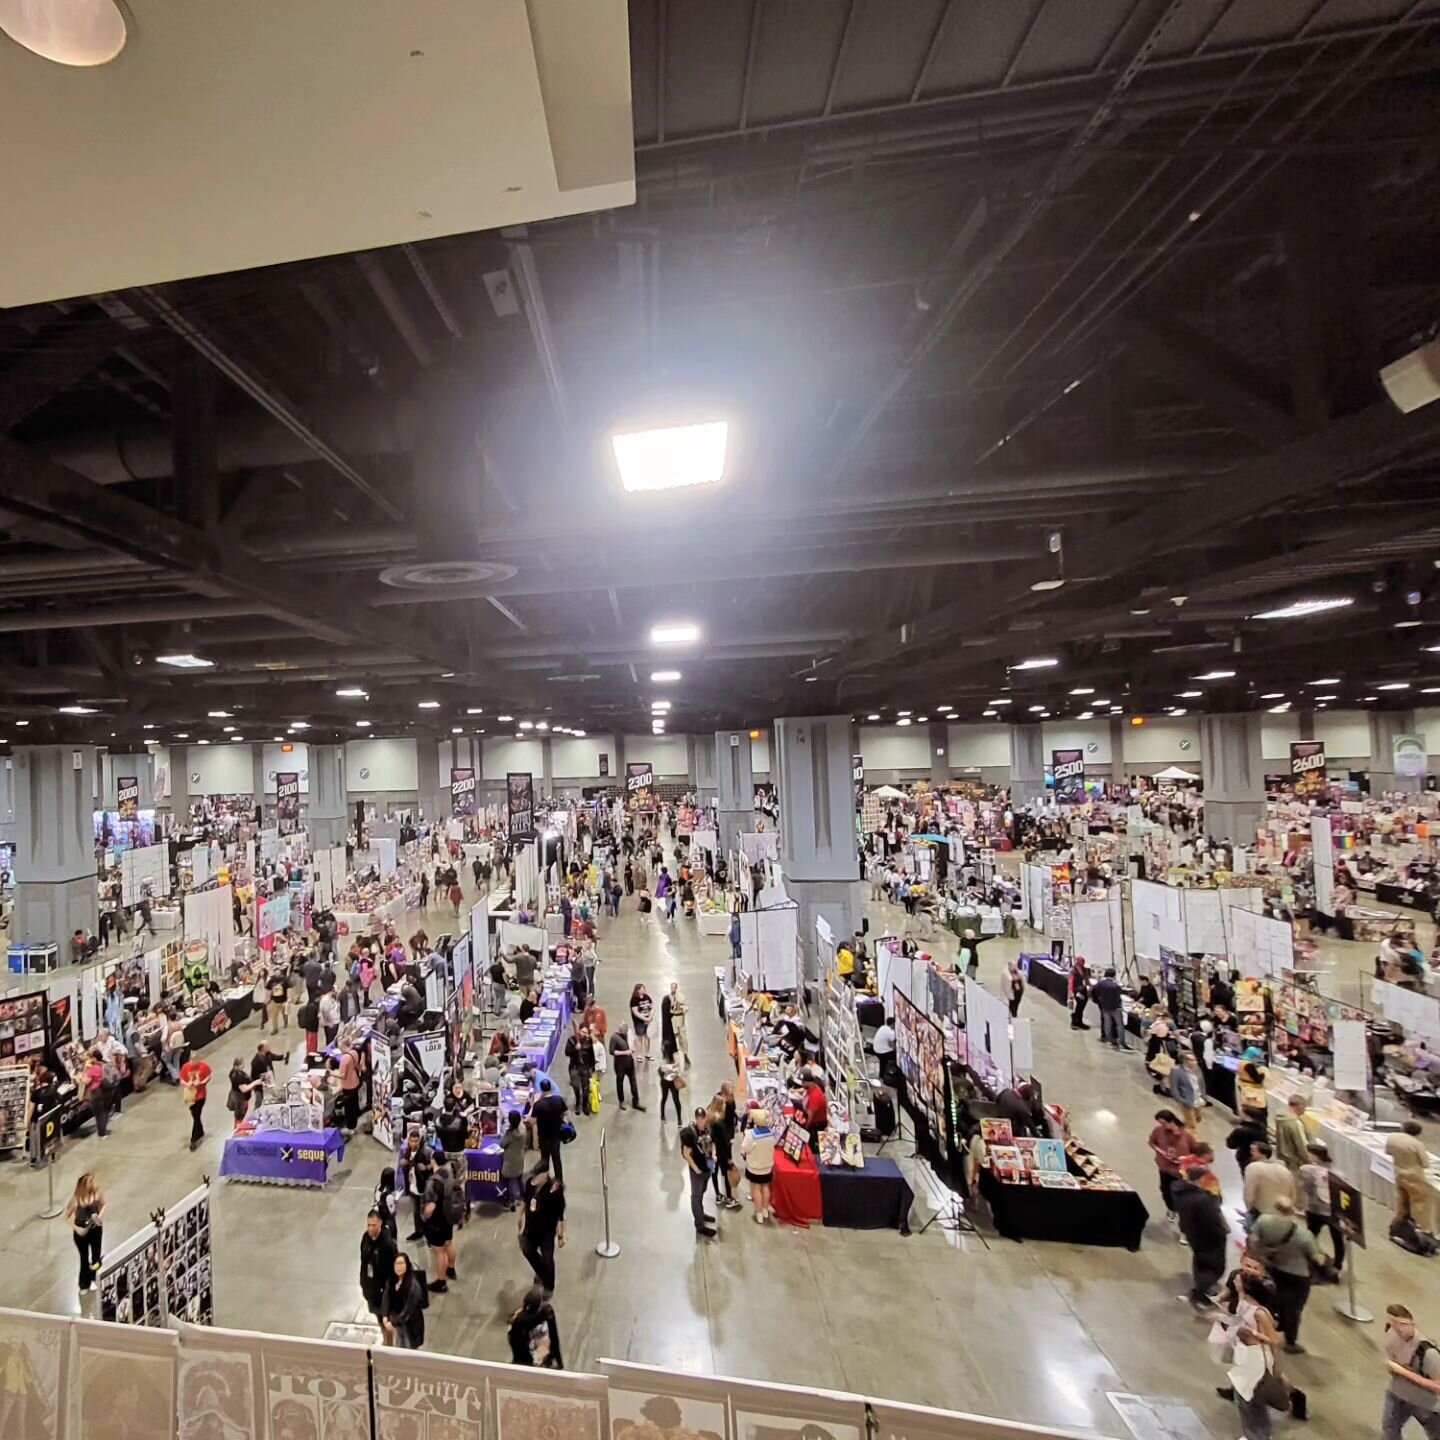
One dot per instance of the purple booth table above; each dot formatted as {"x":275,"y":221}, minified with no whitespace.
{"x":282,"y":1157}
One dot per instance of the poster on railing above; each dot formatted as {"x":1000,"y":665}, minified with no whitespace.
{"x":428,"y":1395}
{"x":316,"y":1390}
{"x":645,"y":1399}
{"x":381,"y":1088}
{"x":540,"y":1403}
{"x":776,"y":1412}
{"x":36,"y":1350}
{"x":122,"y":1380}
{"x":219,"y":1385}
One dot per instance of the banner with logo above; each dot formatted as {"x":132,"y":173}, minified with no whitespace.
{"x":1068,"y":768}
{"x":1307,"y":767}
{"x":382,"y":1089}
{"x":287,"y":801}
{"x":520,"y":804}
{"x":463,"y":794}
{"x":1410,"y":760}
{"x":639,"y":781}
{"x":604,"y":764}
{"x":857,"y":774}
{"x":127,"y":796}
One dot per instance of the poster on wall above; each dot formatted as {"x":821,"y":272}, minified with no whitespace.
{"x":287,"y":801}
{"x":464,"y":799}
{"x":520,"y":803}
{"x":1068,"y":768}
{"x":381,"y":1087}
{"x":640,"y":781}
{"x":127,"y":797}
{"x":1307,"y":767}
{"x":22,"y":1025}
{"x":1409,"y":757}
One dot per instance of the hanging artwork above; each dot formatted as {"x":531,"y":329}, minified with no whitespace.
{"x":122,"y":1381}
{"x":33,"y":1350}
{"x":218,"y":1387}
{"x":316,"y":1392}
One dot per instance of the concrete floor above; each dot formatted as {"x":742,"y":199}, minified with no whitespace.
{"x":1035,"y":1332}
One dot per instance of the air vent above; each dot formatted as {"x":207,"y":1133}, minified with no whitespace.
{"x":446,"y":574}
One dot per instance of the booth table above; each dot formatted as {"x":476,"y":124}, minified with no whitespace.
{"x":283,"y":1157}
{"x":713,"y":922}
{"x":877,"y":1197}
{"x":237,"y":1007}
{"x":1043,"y":974}
{"x":1390,"y":893}
{"x":1081,"y":1217}
{"x":391,"y":913}
{"x":795,"y":1189}
{"x":482,"y":1165}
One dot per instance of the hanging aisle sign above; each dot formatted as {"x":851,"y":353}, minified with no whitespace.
{"x":462,"y":792}
{"x":1307,"y":767}
{"x":639,"y":780}
{"x":520,"y":802}
{"x":1068,"y":768}
{"x":1409,"y":761}
{"x":127,"y":796}
{"x":287,"y":801}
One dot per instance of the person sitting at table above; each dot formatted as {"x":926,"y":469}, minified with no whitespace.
{"x":1148,"y":995}
{"x":529,"y":1004}
{"x":817,"y":1109}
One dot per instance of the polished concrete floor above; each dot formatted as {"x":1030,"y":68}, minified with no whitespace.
{"x":1037,"y":1332}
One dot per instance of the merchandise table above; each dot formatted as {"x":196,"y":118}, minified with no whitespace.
{"x":795,"y":1189}
{"x":283,"y":1157}
{"x":713,"y":922}
{"x":1080,"y":1217}
{"x":1392,"y":894}
{"x":542,"y":1053}
{"x":877,"y":1197}
{"x":482,"y":1165}
{"x":1045,"y":975}
{"x":237,"y":1007}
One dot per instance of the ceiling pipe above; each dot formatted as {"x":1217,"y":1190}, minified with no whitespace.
{"x":157,"y":613}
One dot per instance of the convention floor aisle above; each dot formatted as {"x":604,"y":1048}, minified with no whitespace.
{"x":1035,"y":1332}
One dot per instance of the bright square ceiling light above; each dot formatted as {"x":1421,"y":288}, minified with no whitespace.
{"x":664,"y":677}
{"x":1299,"y":609}
{"x":1034,"y":664}
{"x":185,"y":661}
{"x":672,"y":458}
{"x":677,"y":632}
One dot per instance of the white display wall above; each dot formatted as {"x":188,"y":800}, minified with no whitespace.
{"x":147,"y":866}
{"x":209,"y":916}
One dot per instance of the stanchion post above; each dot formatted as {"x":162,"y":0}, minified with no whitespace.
{"x":50,"y":1120}
{"x":607,"y":1249}
{"x":1349,"y":1307}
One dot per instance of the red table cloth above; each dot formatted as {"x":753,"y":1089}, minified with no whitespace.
{"x":796,"y":1189}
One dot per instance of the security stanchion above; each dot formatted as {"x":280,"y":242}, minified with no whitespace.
{"x":607,"y":1249}
{"x":1349,"y":1307}
{"x":45,"y":1145}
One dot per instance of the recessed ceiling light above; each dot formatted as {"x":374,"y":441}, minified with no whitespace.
{"x":278,"y":739}
{"x":363,"y":724}
{"x":1280,"y":709}
{"x":1139,"y":609}
{"x":457,"y":729}
{"x":1002,"y":701}
{"x":447,"y":674}
{"x":22,"y":723}
{"x":185,"y":661}
{"x":1407,"y":624}
{"x":428,"y":705}
{"x":579,"y":734}
{"x":1273,"y":695}
{"x":921,"y":719}
{"x":77,"y":709}
{"x":1086,"y":715}
{"x":1083,"y":690}
{"x":1042,"y":585}
{"x":1044,"y":714}
{"x":1431,"y":690}
{"x":182,"y":734}
{"x":1331,"y":680}
{"x":1097,"y":703}
{"x":82,"y":33}
{"x":475,"y":710}
{"x":1035,"y":664}
{"x":944,"y":708}
{"x":204,"y":742}
{"x":1394,"y":685}
{"x":149,"y":725}
{"x":1188,"y":694}
{"x":218,"y":714}
{"x":226,"y":729}
{"x":1215,"y":675}
{"x":673,"y":457}
{"x":904,"y":712}
{"x":527,"y":724}
{"x":1376,"y":697}
{"x":1327,"y":697}
{"x":1177,"y":710}
{"x":1301,"y":608}
{"x":1036,"y":709}
{"x":237,"y":737}
{"x":1322,"y":706}
{"x":872,"y":717}
{"x":504,"y":718}
{"x":674,"y":632}
{"x":299,"y":724}
{"x":664,"y":677}
{"x":351,"y":692}
{"x":904,"y":720}
{"x":659,"y":707}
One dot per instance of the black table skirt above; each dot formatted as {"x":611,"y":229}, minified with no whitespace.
{"x":1079,"y":1217}
{"x":875,"y":1198}
{"x":1220,"y":1086}
{"x":870,"y":1014}
{"x":1054,"y":983}
{"x":1399,"y":895}
{"x":214,"y":1023}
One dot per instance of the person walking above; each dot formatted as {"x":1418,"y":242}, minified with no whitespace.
{"x":1109,"y":1001}
{"x":86,"y":1214}
{"x":349,"y":1089}
{"x":672,"y":1082}
{"x":278,"y":989}
{"x":757,"y":1150}
{"x":195,"y":1086}
{"x":699,"y":1155}
{"x":723,"y":1122}
{"x":1414,"y":1197}
{"x":237,"y":1102}
{"x":549,"y":1113}
{"x":542,"y":1225}
{"x":1201,"y":1219}
{"x":1289,"y":1252}
{"x":1186,"y":1088}
{"x":1170,"y":1141}
{"x":308,"y":1018}
{"x":377,"y":1262}
{"x":1267,"y":1181}
{"x":387,"y":1201}
{"x":1014,"y":987}
{"x":1292,"y":1139}
{"x":402,"y":1311}
{"x":580,"y":1061}
{"x":624,"y":1059}
{"x":330,"y":1016}
{"x":642,"y":1010}
{"x":1314,"y":1203}
{"x":512,"y":1160}
{"x":1079,"y":994}
{"x":534,"y":1334}
{"x":1414,"y":1366}
{"x":437,"y":1216}
{"x":97,"y":1093}
{"x":679,"y":1035}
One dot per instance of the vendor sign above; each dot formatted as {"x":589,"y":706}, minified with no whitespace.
{"x":127,"y":797}
{"x":287,"y":801}
{"x":295,"y":1157}
{"x":520,"y":802}
{"x":1068,"y":768}
{"x":463,"y":796}
{"x":639,"y":781}
{"x":1307,"y":767}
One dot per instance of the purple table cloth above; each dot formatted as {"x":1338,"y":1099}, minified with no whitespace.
{"x":283,"y":1157}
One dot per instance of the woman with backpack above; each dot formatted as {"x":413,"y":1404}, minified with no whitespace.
{"x":438,"y":1224}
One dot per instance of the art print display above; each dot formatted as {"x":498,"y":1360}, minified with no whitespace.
{"x":186,"y":1256}
{"x":523,"y":1414}
{"x":33,"y":1353}
{"x":316,"y":1392}
{"x":129,"y":1283}
{"x":650,"y":1404}
{"x":217,"y":1387}
{"x":520,"y":805}
{"x":14,"y":1105}
{"x":427,"y":1397}
{"x":767,"y":1425}
{"x":122,"y":1382}
{"x":920,"y":1052}
{"x":22,"y":1025}
{"x":381,"y":1090}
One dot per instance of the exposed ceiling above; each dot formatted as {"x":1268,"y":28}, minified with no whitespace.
{"x":963,"y":277}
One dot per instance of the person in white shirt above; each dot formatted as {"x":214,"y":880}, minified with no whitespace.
{"x":884,"y":1047}
{"x":330,"y":1016}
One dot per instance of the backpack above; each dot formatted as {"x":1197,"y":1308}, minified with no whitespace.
{"x":454,"y":1201}
{"x":1266,"y":1251}
{"x":109,"y":1074}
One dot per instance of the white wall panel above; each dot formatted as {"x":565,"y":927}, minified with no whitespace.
{"x":222,"y":769}
{"x":1346,"y":733}
{"x":275,"y":760}
{"x":580,"y":759}
{"x":667,"y":754}
{"x":505,"y":756}
{"x":896,"y":747}
{"x":1078,"y":735}
{"x":1276,"y":733}
{"x":1158,"y":742}
{"x":977,"y":745}
{"x":390,"y":763}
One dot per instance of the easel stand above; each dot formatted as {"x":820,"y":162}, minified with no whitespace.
{"x":1347,"y":1305}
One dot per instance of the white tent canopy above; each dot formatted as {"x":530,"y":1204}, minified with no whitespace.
{"x":889,"y":792}
{"x":1174,"y":772}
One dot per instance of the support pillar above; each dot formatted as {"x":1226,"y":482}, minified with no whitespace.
{"x":7,"y":800}
{"x":263,"y":790}
{"x":547,"y":768}
{"x":734,"y":787}
{"x":1385,"y":725}
{"x":55,"y":844}
{"x":1119,"y":770}
{"x":812,"y":767}
{"x":1027,"y":764}
{"x":1306,"y":717}
{"x":427,"y":778}
{"x":327,"y":818}
{"x":702,"y":768}
{"x":939,"y":754}
{"x":1233,"y":772}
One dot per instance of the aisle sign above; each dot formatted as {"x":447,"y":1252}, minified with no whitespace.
{"x":287,"y":801}
{"x":1068,"y":768}
{"x":1409,"y":759}
{"x":1348,"y":1209}
{"x":127,"y":796}
{"x":639,"y":779}
{"x":463,"y":797}
{"x":520,"y":803}
{"x":1307,"y":767}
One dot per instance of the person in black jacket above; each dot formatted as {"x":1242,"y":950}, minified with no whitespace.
{"x":1202,"y":1223}
{"x":534,"y":1335}
{"x":1109,"y":1000}
{"x":1242,"y":1137}
{"x":402,"y":1310}
{"x":377,"y":1262}
{"x":542,"y":1225}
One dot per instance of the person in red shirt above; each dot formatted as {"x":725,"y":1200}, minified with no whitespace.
{"x":195,"y":1080}
{"x":1170,"y":1143}
{"x":817,"y":1111}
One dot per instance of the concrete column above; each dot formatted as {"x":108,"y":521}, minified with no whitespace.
{"x":264,"y":797}
{"x":939,"y":754}
{"x":814,"y":783}
{"x":327,"y":818}
{"x":702,"y":767}
{"x":1119,"y":770}
{"x":1385,"y":725}
{"x":1306,"y":717}
{"x":1027,"y":764}
{"x":7,"y":801}
{"x":547,"y":768}
{"x":433,"y":802}
{"x":55,"y":850}
{"x":618,"y":779}
{"x":734,"y":786}
{"x":1233,"y":774}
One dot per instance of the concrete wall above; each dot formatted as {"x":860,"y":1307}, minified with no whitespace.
{"x":668,"y":754}
{"x":377,"y":766}
{"x":572,"y":759}
{"x":504,"y":755}
{"x":221,"y":769}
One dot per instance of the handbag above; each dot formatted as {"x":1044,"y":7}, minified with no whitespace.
{"x":1272,"y":1392}
{"x":594,"y":1094}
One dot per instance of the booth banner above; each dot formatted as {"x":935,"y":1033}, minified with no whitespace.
{"x":464,"y":798}
{"x":520,"y":801}
{"x":381,"y":1086}
{"x":429,"y":1051}
{"x":1068,"y":768}
{"x":639,"y":779}
{"x":274,"y":916}
{"x":1307,"y":767}
{"x":604,"y":764}
{"x":857,"y":773}
{"x":60,"y":1021}
{"x":1410,"y":760}
{"x":127,"y":796}
{"x":287,"y":801}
